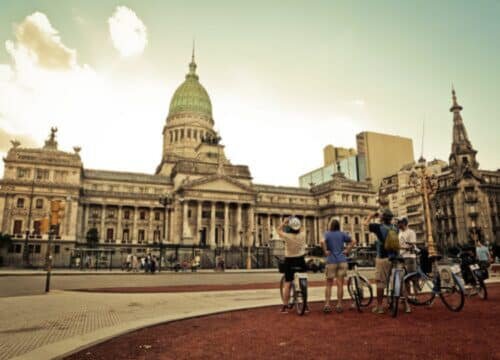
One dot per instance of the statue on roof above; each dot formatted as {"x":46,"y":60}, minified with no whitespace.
{"x":51,"y":143}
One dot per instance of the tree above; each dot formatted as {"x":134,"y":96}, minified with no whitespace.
{"x":5,"y":241}
{"x":92,"y":237}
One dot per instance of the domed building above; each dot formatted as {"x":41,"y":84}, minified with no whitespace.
{"x":196,"y":202}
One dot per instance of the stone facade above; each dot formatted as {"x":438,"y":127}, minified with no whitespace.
{"x":212,"y":204}
{"x":467,"y":200}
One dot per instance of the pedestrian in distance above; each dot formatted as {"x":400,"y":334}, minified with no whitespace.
{"x":334,"y":247}
{"x":385,"y":232}
{"x":290,"y":231}
{"x":483,"y":255}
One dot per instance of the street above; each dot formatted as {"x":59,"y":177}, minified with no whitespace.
{"x":35,"y":284}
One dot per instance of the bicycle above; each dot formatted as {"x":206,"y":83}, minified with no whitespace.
{"x":359,"y":287}
{"x":395,"y":283}
{"x":473,"y":275}
{"x":444,"y":282}
{"x":298,"y":291}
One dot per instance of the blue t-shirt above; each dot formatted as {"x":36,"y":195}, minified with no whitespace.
{"x":335,"y":241}
{"x":381,"y":230}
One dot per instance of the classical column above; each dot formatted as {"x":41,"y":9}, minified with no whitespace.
{"x":134,"y":234}
{"x":150,"y":235}
{"x":251,"y":225}
{"x":316,"y":231}
{"x":198,"y":222}
{"x":212,"y":225}
{"x":185,"y":224}
{"x":86,"y":217}
{"x":102,"y":231}
{"x":268,"y":228}
{"x":119,"y":231}
{"x":226,"y":225}
{"x":238,"y":225}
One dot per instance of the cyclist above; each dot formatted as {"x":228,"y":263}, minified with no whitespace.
{"x":382,"y":263}
{"x":295,"y":243}
{"x":407,"y":243}
{"x":333,"y":247}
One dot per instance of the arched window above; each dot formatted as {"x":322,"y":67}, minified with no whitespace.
{"x":176,"y":135}
{"x":356,"y":220}
{"x":189,"y":133}
{"x":182,"y":134}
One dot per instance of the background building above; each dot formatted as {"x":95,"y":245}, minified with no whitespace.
{"x":400,"y":196}
{"x":467,"y":201}
{"x":197,"y":200}
{"x":381,"y":155}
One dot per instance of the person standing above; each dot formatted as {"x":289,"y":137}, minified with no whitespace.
{"x":483,"y":255}
{"x":382,"y":263}
{"x":336,"y":260}
{"x":407,"y":244}
{"x":295,"y":243}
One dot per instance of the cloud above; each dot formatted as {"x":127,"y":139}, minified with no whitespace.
{"x":39,"y":42}
{"x":6,"y":137}
{"x":128,"y":32}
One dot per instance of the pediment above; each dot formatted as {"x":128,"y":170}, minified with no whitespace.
{"x":219,"y":183}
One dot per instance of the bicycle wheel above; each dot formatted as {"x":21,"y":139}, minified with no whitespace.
{"x":292,"y":292}
{"x":301,"y":297}
{"x":421,"y":289}
{"x":353,"y":289}
{"x":365,"y":292}
{"x":452,"y":296}
{"x":394,"y":295}
{"x":481,"y":290}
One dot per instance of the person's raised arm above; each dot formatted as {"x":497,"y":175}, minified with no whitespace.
{"x":280,"y":230}
{"x":369,"y":218}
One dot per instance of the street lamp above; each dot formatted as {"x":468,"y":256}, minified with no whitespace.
{"x":426,"y":186}
{"x":26,"y":256}
{"x":165,"y":201}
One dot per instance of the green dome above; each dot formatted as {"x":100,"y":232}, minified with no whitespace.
{"x":191,"y":96}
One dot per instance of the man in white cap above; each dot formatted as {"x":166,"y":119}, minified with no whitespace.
{"x":295,"y":244}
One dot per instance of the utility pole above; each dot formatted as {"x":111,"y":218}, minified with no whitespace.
{"x":26,"y":255}
{"x":55,"y":216}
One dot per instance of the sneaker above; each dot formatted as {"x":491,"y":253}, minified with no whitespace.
{"x":327,"y":309}
{"x":284,"y":309}
{"x":339,"y":309}
{"x":378,"y":310}
{"x":407,"y":309}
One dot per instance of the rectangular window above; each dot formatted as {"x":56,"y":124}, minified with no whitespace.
{"x":346,"y":220}
{"x":141,"y":236}
{"x":126,"y":214}
{"x":23,"y":173}
{"x":10,"y":250}
{"x":189,"y":213}
{"x":157,"y":215}
{"x":356,"y":237}
{"x":109,"y":234}
{"x":182,"y":134}
{"x":205,"y":214}
{"x":42,"y":174}
{"x":38,"y":249}
{"x":142,"y":215}
{"x":39,"y":203}
{"x":37,"y":225}
{"x":18,"y":248}
{"x":189,"y":133}
{"x":125,"y":237}
{"x":195,"y":134}
{"x":60,"y":176}
{"x":57,"y":249}
{"x":20,"y":203}
{"x":18,"y":227}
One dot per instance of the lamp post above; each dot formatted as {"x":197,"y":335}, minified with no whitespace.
{"x":26,"y":255}
{"x":165,"y":201}
{"x":426,"y":186}
{"x":249,"y":254}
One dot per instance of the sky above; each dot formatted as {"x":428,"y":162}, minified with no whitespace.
{"x":285,"y":78}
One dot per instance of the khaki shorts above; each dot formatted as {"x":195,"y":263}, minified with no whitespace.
{"x":382,"y":272}
{"x":338,"y":271}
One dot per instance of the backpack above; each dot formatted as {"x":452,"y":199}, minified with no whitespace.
{"x":391,"y":241}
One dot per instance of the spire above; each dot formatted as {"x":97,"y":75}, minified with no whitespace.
{"x":192,"y":66}
{"x":462,"y":152}
{"x":455,"y":107}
